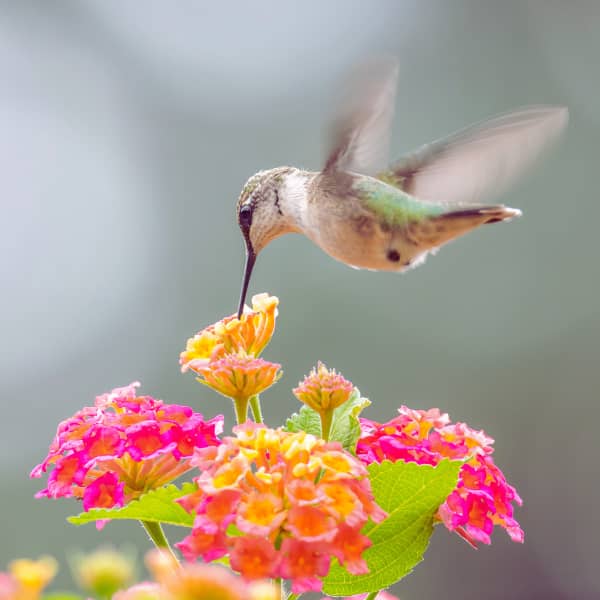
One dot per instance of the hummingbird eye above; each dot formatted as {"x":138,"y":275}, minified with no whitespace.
{"x":245,"y":216}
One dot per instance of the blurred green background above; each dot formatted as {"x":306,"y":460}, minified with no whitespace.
{"x":128,"y":130}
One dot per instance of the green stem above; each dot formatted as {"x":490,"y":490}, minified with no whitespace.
{"x":157,"y":535}
{"x":279,"y":584}
{"x":241,"y":410}
{"x":255,"y":406}
{"x":326,"y":421}
{"x":292,"y":596}
{"x":372,"y":595}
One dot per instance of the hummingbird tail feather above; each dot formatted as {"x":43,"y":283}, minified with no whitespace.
{"x":485,"y":214}
{"x":439,"y":230}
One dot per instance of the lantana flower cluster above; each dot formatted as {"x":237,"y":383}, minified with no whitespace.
{"x":191,"y":581}
{"x":483,"y":498}
{"x":26,"y":579}
{"x":226,"y":354}
{"x":281,"y":505}
{"x":122,"y":447}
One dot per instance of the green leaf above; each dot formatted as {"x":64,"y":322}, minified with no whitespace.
{"x":345,"y":427}
{"x":157,"y":506}
{"x":411,"y":495}
{"x":306,"y":420}
{"x":61,"y":596}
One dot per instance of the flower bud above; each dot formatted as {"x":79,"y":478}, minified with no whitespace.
{"x":323,"y":389}
{"x":104,"y":571}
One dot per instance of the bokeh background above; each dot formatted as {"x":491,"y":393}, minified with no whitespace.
{"x":127,"y":131}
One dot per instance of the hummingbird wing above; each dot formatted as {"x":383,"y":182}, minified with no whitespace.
{"x":479,"y":161}
{"x":360,"y":136}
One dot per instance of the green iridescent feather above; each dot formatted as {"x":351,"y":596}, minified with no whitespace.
{"x":392,"y":204}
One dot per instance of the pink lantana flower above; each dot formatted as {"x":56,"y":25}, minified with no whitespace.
{"x":281,"y":504}
{"x":482,"y":499}
{"x":122,"y":447}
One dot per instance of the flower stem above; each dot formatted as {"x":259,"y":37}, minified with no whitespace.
{"x":281,"y":589}
{"x":372,"y":595}
{"x":241,"y":410}
{"x":292,"y":596}
{"x":326,"y":421}
{"x":255,"y":406}
{"x":157,"y":535}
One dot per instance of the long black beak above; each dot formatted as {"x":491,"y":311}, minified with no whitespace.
{"x":250,"y":260}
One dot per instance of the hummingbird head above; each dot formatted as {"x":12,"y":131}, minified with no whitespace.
{"x":262,"y":213}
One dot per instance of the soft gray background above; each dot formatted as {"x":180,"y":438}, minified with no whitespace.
{"x":127,"y":131}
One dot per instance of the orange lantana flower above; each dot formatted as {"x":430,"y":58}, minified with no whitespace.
{"x":248,"y":335}
{"x":293,"y":500}
{"x":239,"y":376}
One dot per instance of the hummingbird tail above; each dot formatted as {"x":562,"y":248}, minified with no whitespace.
{"x":481,"y":215}
{"x":454,"y":223}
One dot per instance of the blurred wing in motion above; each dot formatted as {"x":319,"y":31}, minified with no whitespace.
{"x":360,"y":136}
{"x":480,"y":161}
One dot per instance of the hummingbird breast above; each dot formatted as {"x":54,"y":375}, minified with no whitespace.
{"x":365,"y":242}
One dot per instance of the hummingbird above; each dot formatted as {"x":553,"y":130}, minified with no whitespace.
{"x":389,"y":218}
